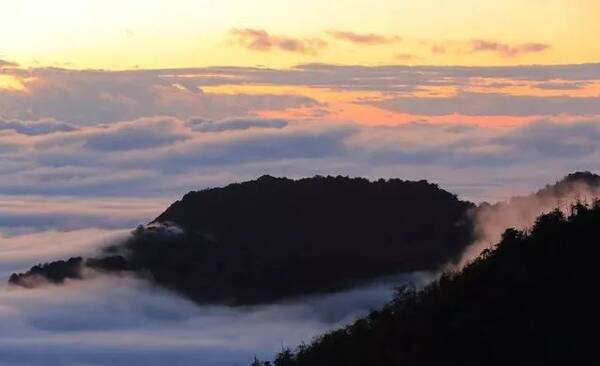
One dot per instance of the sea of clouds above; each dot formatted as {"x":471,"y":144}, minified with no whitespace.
{"x":122,"y":320}
{"x":109,"y":320}
{"x":86,"y":155}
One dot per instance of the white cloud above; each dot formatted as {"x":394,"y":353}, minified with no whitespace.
{"x":81,"y":323}
{"x":166,"y":156}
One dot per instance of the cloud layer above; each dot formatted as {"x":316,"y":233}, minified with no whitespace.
{"x":87,"y":154}
{"x":80,"y":323}
{"x":90,"y":136}
{"x":485,"y":104}
{"x":165,"y":156}
{"x":364,"y":38}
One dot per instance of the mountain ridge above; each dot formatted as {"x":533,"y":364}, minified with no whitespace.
{"x":272,"y":238}
{"x":526,"y":300}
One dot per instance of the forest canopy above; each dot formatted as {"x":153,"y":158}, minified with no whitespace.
{"x":273,"y":238}
{"x":528,"y":300}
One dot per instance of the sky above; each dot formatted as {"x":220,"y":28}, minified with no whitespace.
{"x":111,"y":110}
{"x":148,"y":34}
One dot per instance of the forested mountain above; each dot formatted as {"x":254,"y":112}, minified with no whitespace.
{"x":530,"y":300}
{"x":273,"y":238}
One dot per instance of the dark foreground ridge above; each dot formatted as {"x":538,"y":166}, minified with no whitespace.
{"x":273,"y":238}
{"x":528,"y":301}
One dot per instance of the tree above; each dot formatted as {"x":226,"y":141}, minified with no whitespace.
{"x":285,"y":358}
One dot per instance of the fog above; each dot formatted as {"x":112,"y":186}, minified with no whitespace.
{"x":521,"y":212}
{"x":108,"y":320}
{"x":122,"y":320}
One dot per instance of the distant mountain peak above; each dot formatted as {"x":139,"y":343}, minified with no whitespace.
{"x":579,"y":182}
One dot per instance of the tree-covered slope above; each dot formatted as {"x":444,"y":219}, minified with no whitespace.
{"x":530,"y":300}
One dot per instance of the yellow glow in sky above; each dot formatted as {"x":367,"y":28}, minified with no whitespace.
{"x":186,"y":33}
{"x":9,"y":82}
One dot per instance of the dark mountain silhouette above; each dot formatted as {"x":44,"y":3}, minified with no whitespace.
{"x":578,"y":186}
{"x":273,"y":238}
{"x":570,"y":182}
{"x":55,"y":272}
{"x":528,"y":301}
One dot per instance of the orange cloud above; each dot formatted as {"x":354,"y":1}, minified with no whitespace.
{"x":261,"y":40}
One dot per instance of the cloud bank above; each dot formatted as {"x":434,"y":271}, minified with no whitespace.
{"x":166,"y":156}
{"x":81,"y":323}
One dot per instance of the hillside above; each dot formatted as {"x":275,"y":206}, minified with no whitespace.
{"x":529,"y":300}
{"x":491,"y":220}
{"x":273,"y":238}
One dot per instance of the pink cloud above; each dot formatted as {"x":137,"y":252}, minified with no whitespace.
{"x":7,"y":64}
{"x":364,"y":38}
{"x":506,"y":50}
{"x":261,"y":40}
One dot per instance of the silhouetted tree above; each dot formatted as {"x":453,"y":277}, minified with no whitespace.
{"x":284,"y":358}
{"x":529,"y":300}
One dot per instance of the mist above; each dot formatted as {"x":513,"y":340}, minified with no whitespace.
{"x":110,"y":320}
{"x":106,"y":319}
{"x":490,"y":221}
{"x":123,"y":320}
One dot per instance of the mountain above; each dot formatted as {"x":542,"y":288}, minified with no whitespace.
{"x":274,"y":238}
{"x":528,"y":300}
{"x":574,"y":182}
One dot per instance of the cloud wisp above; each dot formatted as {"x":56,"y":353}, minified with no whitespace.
{"x":364,"y":38}
{"x":198,"y":124}
{"x":261,"y":40}
{"x":521,"y":212}
{"x":79,"y":322}
{"x":505,"y":49}
{"x":489,"y":104}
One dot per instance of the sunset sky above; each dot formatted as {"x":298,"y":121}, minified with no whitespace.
{"x":111,"y":110}
{"x":132,"y":99}
{"x":102,"y":98}
{"x":189,"y":33}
